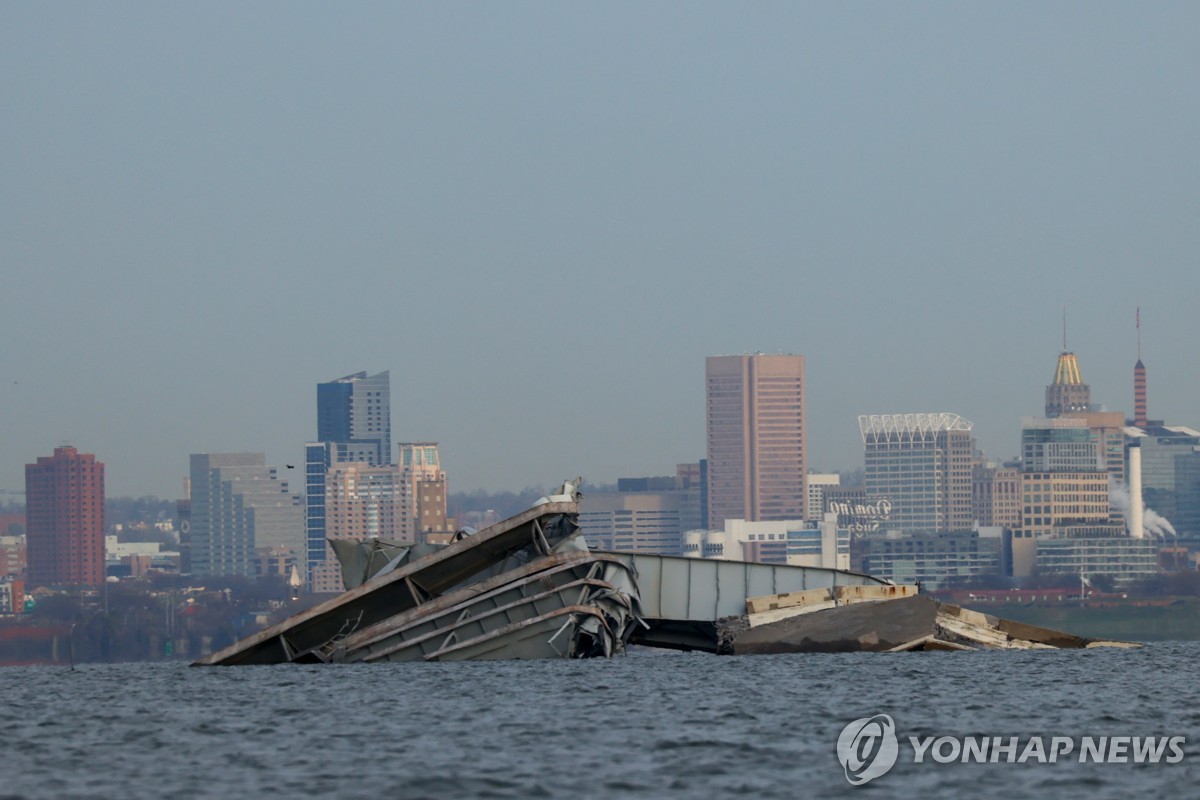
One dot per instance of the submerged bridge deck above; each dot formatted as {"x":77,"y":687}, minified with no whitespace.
{"x":682,"y":598}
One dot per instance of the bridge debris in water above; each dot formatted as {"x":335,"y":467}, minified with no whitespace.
{"x":872,"y":618}
{"x":529,"y":587}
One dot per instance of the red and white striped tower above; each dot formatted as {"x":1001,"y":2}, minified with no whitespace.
{"x":1139,"y":380}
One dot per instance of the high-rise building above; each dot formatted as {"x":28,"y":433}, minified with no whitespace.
{"x":996,"y":495}
{"x":64,"y":511}
{"x":420,"y":467}
{"x":688,"y":476}
{"x":1064,"y":489}
{"x":818,"y":484}
{"x":240,"y":510}
{"x":1067,"y":393}
{"x":1059,"y":445}
{"x":354,"y":424}
{"x":756,"y":438}
{"x":922,"y":465}
{"x":1061,"y":499}
{"x":361,"y":502}
{"x":644,"y":515}
{"x":1069,"y":396}
{"x":355,"y":412}
{"x":318,"y":457}
{"x":1107,"y":430}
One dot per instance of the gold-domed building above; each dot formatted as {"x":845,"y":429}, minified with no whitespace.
{"x":1067,"y":394}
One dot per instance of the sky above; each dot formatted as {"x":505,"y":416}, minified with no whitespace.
{"x":542,"y":217}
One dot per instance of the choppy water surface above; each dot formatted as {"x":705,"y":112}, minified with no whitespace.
{"x":642,"y":726}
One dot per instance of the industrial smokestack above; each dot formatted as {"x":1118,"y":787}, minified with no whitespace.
{"x":1136,"y":508}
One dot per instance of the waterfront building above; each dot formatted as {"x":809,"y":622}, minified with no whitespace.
{"x":64,"y":514}
{"x":1103,"y":550}
{"x":935,"y":560}
{"x":818,"y":484}
{"x":796,"y":542}
{"x":756,"y":437}
{"x":644,"y":515}
{"x":922,"y":465}
{"x":239,"y":507}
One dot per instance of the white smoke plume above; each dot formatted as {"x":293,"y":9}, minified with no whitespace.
{"x":1153,"y":523}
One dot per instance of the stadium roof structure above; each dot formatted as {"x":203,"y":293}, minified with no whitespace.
{"x":911,"y":424}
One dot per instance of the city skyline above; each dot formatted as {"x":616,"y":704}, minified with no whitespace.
{"x":817,"y":465}
{"x":199,"y":224}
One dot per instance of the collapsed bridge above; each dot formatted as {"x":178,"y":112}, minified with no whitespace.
{"x":529,"y":587}
{"x":526,"y":587}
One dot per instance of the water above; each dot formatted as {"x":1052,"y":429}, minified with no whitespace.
{"x":678,"y":725}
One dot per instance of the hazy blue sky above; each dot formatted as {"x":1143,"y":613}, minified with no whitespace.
{"x":541,"y":217}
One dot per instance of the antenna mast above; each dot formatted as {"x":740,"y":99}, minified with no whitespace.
{"x":1138,"y":324}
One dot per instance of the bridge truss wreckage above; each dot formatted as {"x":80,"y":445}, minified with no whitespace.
{"x":529,"y":587}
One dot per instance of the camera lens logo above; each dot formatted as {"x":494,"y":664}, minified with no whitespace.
{"x":868,"y":748}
